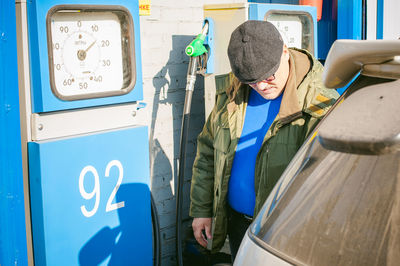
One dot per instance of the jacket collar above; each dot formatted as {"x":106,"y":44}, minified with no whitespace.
{"x":291,"y":107}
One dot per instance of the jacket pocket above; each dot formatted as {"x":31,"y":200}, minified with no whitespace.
{"x":221,"y":145}
{"x":222,"y":136}
{"x":222,"y":140}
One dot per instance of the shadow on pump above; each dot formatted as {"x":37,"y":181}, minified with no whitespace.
{"x":122,"y":244}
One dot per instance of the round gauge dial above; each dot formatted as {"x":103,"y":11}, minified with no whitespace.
{"x":90,"y":53}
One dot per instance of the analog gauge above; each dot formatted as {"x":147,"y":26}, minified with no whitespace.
{"x":91,"y":52}
{"x":289,"y":28}
{"x":295,"y":28}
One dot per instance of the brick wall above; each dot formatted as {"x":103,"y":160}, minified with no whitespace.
{"x":164,"y":36}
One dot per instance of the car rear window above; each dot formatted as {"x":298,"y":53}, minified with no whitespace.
{"x":340,"y":209}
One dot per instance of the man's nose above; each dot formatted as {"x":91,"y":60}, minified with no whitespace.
{"x":262,"y":85}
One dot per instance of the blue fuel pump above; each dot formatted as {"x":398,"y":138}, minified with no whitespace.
{"x":85,"y":156}
{"x":13,"y":250}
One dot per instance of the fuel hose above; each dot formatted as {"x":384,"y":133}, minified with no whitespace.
{"x":194,"y":50}
{"x":156,"y":233}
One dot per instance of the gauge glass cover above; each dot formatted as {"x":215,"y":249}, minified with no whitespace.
{"x":90,"y":53}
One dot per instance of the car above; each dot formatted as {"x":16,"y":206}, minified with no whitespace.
{"x":338,"y":201}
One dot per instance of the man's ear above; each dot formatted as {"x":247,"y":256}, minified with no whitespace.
{"x":285,"y":52}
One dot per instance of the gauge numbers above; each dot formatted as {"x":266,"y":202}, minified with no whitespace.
{"x":87,"y":54}
{"x":290,"y":27}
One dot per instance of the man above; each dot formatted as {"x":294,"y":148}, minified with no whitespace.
{"x":272,"y":101}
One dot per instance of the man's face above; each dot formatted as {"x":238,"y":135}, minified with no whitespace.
{"x":273,"y":86}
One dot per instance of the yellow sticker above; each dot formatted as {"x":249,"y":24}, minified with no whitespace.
{"x":316,"y":109}
{"x":322,"y":99}
{"x":313,"y":136}
{"x":144,"y":7}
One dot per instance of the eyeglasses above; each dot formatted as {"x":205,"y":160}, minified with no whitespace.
{"x":268,"y":80}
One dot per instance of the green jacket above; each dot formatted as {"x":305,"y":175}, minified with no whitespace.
{"x":305,"y":101}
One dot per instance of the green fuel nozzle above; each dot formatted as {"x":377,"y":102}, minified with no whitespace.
{"x":196,"y":47}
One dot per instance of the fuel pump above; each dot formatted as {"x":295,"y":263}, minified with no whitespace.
{"x":198,"y":55}
{"x":85,"y":156}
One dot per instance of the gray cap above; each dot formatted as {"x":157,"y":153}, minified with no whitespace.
{"x":255,"y":51}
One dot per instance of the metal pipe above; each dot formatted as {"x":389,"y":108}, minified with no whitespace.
{"x":204,"y":30}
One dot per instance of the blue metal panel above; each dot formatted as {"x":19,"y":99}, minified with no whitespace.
{"x":13,"y":250}
{"x":43,"y":98}
{"x":65,"y":229}
{"x":261,"y":9}
{"x":349,"y":19}
{"x":254,"y":12}
{"x":210,"y":42}
{"x":258,"y":11}
{"x":291,"y":2}
{"x":379,"y":20}
{"x":327,"y":28}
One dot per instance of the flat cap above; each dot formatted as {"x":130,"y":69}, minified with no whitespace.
{"x":255,"y":51}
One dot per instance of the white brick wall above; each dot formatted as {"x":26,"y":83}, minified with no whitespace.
{"x":164,"y":36}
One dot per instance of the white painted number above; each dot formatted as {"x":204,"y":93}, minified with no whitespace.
{"x":96,"y":189}
{"x":88,"y":196}
{"x":113,"y":206}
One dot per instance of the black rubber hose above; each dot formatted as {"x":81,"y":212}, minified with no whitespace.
{"x":156,"y":233}
{"x":191,"y":78}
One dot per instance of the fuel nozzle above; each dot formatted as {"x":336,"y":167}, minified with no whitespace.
{"x":196,"y":47}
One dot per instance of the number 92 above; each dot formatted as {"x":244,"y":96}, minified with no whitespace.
{"x":96,"y":189}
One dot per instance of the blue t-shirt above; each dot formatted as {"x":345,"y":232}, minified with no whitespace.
{"x":260,"y":113}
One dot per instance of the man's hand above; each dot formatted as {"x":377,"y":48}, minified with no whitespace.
{"x":200,"y":224}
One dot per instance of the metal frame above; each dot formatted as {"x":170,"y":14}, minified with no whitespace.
{"x":83,"y":121}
